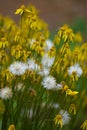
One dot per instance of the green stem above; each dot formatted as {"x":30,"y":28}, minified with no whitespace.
{"x":4,"y":120}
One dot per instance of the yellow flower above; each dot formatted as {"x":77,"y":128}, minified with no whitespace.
{"x":57,"y":40}
{"x":7,"y":76}
{"x":84,"y":125}
{"x":17,"y":51}
{"x":74,"y":76}
{"x":72,"y":109}
{"x":21,"y":10}
{"x":68,"y":91}
{"x":12,"y":127}
{"x":58,"y":120}
{"x":71,"y":93}
{"x":66,"y":33}
{"x":52,"y":52}
{"x":3,"y":42}
{"x":65,"y":88}
{"x":3,"y":57}
{"x":84,"y":48}
{"x":65,"y":49}
{"x":78,"y":37}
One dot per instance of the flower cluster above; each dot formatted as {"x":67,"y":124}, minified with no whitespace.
{"x":42,"y":81}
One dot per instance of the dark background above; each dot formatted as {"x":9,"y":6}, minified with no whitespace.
{"x":54,"y":12}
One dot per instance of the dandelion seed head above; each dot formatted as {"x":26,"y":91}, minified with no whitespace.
{"x":18,"y":68}
{"x":48,"y":45}
{"x":49,"y":82}
{"x":32,"y":65}
{"x":75,"y":69}
{"x":6,"y":93}
{"x":44,"y":71}
{"x":65,"y":117}
{"x":47,"y":61}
